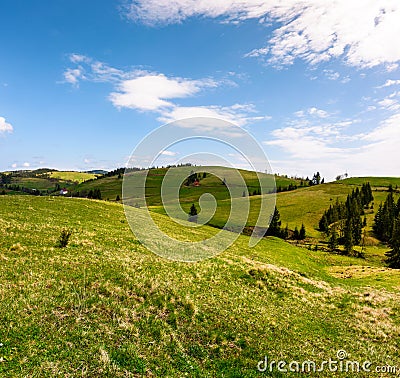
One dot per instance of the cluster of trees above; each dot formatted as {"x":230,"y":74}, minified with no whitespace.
{"x":316,"y":179}
{"x":276,"y":230}
{"x":387,"y":227}
{"x":278,"y":189}
{"x":342,"y":221}
{"x":194,"y":176}
{"x":5,"y":179}
{"x":94,"y":194}
{"x":288,"y":188}
{"x":385,"y":218}
{"x":18,"y":188}
{"x":341,"y":177}
{"x":255,"y":192}
{"x":91,"y":194}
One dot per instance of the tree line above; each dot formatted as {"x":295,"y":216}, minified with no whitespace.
{"x":387,"y":227}
{"x":342,"y":221}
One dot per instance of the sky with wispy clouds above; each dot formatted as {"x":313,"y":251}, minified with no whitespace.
{"x":317,"y":83}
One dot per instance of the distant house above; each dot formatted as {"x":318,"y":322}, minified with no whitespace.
{"x":63,"y":191}
{"x":196,"y":182}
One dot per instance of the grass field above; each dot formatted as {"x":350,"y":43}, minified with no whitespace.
{"x":72,"y":176}
{"x":48,"y":180}
{"x":304,"y":205}
{"x":110,"y":187}
{"x":374,"y":181}
{"x":104,"y":306}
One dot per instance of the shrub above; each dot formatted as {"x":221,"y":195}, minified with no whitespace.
{"x":64,"y":238}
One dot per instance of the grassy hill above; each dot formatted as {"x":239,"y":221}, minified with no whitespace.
{"x":72,"y":176}
{"x":47,"y":179}
{"x":110,"y":187}
{"x":304,"y":205}
{"x":374,"y":181}
{"x":106,"y":307}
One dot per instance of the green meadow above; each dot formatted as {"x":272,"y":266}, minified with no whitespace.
{"x":111,"y":187}
{"x":106,"y":306}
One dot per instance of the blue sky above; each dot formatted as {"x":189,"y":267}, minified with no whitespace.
{"x":317,"y":84}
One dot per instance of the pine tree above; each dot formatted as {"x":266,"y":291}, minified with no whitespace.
{"x":384,"y":219}
{"x":393,"y":256}
{"x":302,"y":233}
{"x":348,"y":237}
{"x":285,"y":232}
{"x":324,"y":224}
{"x":274,"y":228}
{"x":333,"y":240}
{"x":296,"y":234}
{"x":193,"y":210}
{"x":192,"y":214}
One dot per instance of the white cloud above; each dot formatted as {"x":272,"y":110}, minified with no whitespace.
{"x":359,"y":32}
{"x":73,"y":75}
{"x":26,"y":165}
{"x":313,"y":111}
{"x":318,"y":112}
{"x":156,"y":92}
{"x":257,"y":53}
{"x":93,"y":70}
{"x":168,"y":153}
{"x":14,"y":165}
{"x":389,"y":83}
{"x":389,"y":103}
{"x":78,"y":58}
{"x":327,"y":145}
{"x":331,"y":75}
{"x":5,"y":127}
{"x":237,"y":114}
{"x":151,"y":91}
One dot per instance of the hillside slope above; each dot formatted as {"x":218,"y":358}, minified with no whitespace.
{"x":111,"y":187}
{"x":105,"y":306}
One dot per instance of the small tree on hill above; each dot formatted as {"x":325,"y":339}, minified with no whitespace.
{"x":64,"y":238}
{"x":302,"y":233}
{"x":193,"y":210}
{"x":274,"y":228}
{"x":193,"y":213}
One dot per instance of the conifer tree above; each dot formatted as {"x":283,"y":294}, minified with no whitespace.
{"x":193,"y":210}
{"x":333,"y":240}
{"x":393,"y":256}
{"x":348,"y":237}
{"x":302,"y":233}
{"x":274,"y":228}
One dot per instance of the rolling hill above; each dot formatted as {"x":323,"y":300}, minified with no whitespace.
{"x":106,"y":306}
{"x":111,"y":187}
{"x":304,"y":205}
